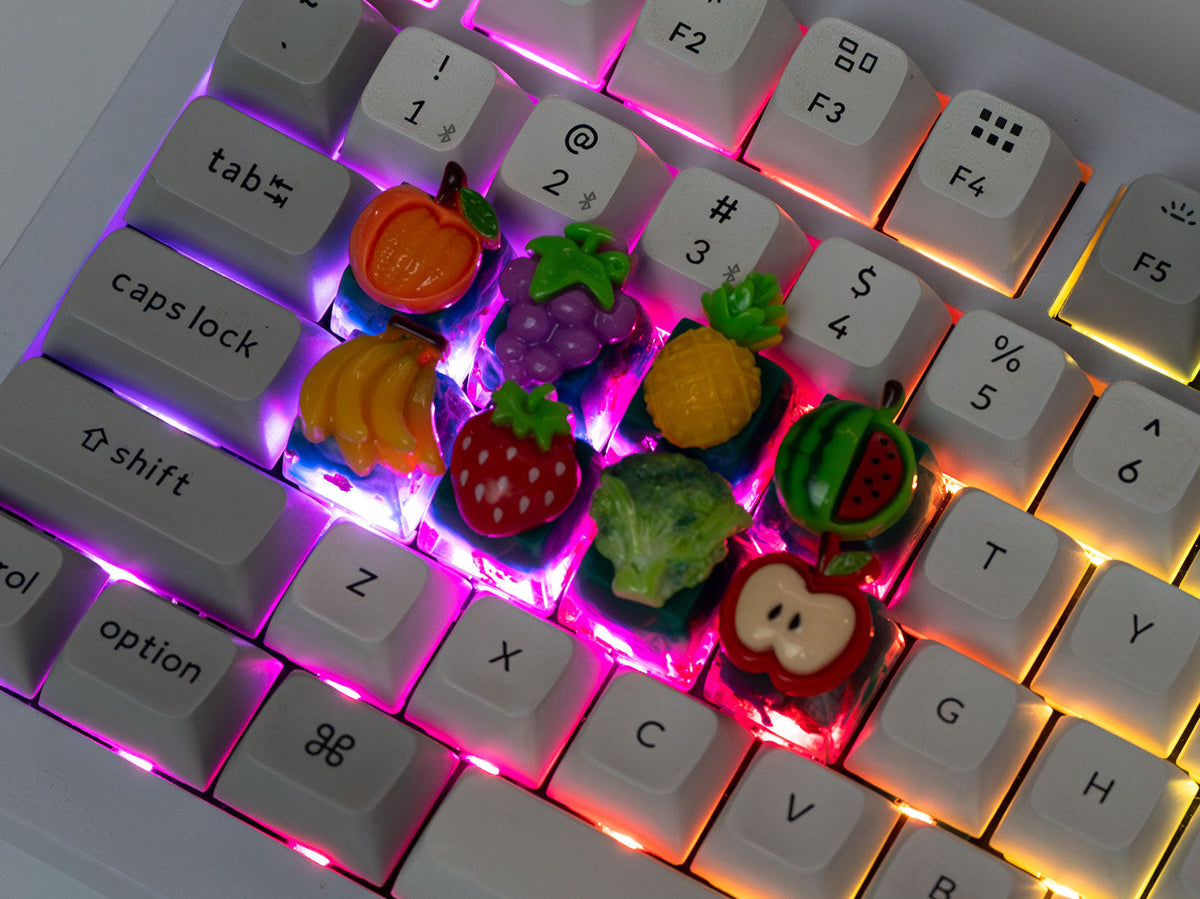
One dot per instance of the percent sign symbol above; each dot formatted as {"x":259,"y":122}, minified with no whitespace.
{"x":1001,"y":344}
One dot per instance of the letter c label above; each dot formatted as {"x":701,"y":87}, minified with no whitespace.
{"x":641,"y":734}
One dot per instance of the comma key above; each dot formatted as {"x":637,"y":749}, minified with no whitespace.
{"x":157,"y":681}
{"x":338,"y":776}
{"x":193,"y":521}
{"x":279,"y":213}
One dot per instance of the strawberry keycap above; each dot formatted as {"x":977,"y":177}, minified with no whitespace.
{"x":514,"y":468}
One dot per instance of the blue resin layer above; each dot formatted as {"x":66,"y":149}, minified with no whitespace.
{"x":462,"y":323}
{"x":533,"y":566}
{"x":819,"y":726}
{"x":596,"y":394}
{"x":392,"y":502}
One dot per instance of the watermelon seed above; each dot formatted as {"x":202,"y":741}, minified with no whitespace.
{"x":794,"y":624}
{"x":774,"y":613}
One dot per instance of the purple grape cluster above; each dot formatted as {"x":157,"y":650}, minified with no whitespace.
{"x":543,"y":341}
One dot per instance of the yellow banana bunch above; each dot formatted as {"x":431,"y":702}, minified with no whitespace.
{"x":373,"y":395}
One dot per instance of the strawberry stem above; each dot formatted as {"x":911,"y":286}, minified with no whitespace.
{"x":530,"y":413}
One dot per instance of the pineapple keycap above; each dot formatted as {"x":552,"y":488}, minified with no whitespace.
{"x":705,"y":385}
{"x":701,"y":368}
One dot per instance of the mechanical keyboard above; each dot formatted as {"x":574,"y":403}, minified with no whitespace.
{"x":268,"y":655}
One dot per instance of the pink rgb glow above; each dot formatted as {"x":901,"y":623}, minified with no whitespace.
{"x":312,"y":855}
{"x":136,"y":760}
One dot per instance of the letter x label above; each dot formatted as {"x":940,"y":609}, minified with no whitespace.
{"x":505,"y":655}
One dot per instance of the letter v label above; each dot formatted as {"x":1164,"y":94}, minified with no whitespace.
{"x":792,"y":813}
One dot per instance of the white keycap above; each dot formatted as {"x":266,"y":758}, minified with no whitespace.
{"x":189,"y":519}
{"x":490,"y":839}
{"x":226,"y":186}
{"x":431,"y":101}
{"x":366,"y":613}
{"x":987,"y":188}
{"x":1130,"y":484}
{"x":580,"y":37}
{"x":793,"y":826}
{"x":335,"y":775}
{"x":570,"y":164}
{"x":1128,"y":658}
{"x":1140,"y":286}
{"x":1094,"y":813}
{"x":927,"y":861}
{"x":76,"y":804}
{"x":991,"y":581}
{"x":508,"y":687}
{"x":846,"y":118}
{"x":998,"y":405}
{"x":857,"y":320}
{"x":651,"y":763}
{"x":155,"y":680}
{"x":168,"y":332}
{"x":45,"y":587}
{"x":301,"y":64}
{"x":708,"y":231}
{"x":706,"y":67}
{"x":1180,"y":879}
{"x":949,"y":737}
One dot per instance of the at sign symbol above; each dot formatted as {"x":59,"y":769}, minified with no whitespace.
{"x":580,"y":137}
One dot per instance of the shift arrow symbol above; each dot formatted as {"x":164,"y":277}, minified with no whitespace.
{"x":93,"y":439}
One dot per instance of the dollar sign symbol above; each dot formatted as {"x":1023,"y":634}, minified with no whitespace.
{"x":862,"y":279}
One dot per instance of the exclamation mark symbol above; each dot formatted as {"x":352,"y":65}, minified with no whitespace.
{"x":445,"y":59}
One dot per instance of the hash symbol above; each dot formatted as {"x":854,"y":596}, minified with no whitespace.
{"x":723,"y":210}
{"x":588,"y":199}
{"x":444,"y":135}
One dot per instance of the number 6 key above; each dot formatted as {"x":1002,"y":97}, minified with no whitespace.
{"x":1130,"y":485}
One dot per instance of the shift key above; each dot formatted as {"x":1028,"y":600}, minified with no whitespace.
{"x":186,"y":518}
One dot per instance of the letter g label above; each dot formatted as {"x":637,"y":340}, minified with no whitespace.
{"x":948,"y":709}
